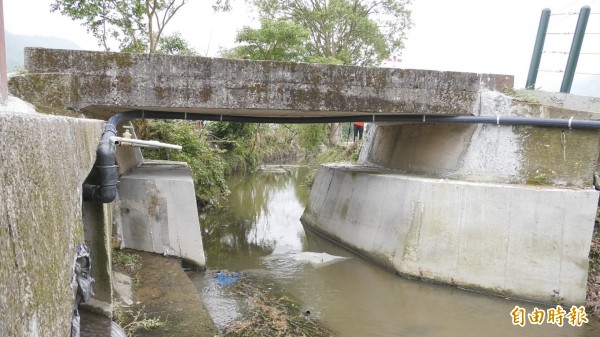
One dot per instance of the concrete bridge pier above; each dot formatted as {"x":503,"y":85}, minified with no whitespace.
{"x":505,"y":209}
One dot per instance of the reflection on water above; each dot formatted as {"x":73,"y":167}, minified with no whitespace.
{"x":260,"y":218}
{"x":259,"y":232}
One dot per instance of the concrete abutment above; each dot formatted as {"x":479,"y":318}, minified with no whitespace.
{"x":508,"y":210}
{"x":529,"y":242}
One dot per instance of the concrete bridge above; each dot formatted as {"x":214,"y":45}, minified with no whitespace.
{"x":505,"y":209}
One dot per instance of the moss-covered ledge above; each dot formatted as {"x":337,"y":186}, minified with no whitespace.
{"x":50,"y":93}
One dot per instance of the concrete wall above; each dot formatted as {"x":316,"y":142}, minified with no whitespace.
{"x":43,"y":162}
{"x":158,"y":211}
{"x":487,"y":153}
{"x":530,"y":242}
{"x":97,"y":232}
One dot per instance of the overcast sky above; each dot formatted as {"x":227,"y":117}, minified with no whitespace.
{"x":456,"y":35}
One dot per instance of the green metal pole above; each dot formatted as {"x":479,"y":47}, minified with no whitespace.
{"x":538,"y":48}
{"x":584,"y":15}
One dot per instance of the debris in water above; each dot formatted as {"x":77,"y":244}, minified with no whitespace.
{"x":317,"y":260}
{"x":271,"y":313}
{"x":227,"y":278}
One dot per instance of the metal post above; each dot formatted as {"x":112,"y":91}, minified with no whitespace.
{"x":584,"y":14}
{"x":3,"y":71}
{"x":538,"y":49}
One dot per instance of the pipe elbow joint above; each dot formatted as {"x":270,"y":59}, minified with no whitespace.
{"x":101,"y":194}
{"x":108,"y":176}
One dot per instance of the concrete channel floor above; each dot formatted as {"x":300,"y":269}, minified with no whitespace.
{"x":165,"y":291}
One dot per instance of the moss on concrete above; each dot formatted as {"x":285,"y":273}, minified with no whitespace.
{"x":263,"y":87}
{"x":553,"y":156}
{"x":49,"y":93}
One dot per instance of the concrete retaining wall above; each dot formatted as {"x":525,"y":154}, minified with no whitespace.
{"x":43,"y":162}
{"x":524,"y":241}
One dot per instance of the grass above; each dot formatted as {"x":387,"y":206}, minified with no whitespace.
{"x":132,"y":320}
{"x":128,"y":262}
{"x":334,"y":154}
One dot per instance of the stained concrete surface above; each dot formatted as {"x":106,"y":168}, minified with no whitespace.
{"x":101,"y":83}
{"x":520,"y":241}
{"x":165,"y":291}
{"x":43,"y":163}
{"x":158,"y":211}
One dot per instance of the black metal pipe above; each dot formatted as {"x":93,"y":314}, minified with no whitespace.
{"x":106,"y":190}
{"x":374,"y":118}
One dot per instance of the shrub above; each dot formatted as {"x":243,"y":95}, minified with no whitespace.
{"x":206,"y":164}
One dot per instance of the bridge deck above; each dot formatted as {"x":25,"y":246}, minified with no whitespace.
{"x":101,"y":84}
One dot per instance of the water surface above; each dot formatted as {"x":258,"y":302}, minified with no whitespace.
{"x":259,"y":232}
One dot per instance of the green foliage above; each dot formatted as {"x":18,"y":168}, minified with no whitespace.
{"x":136,"y":25}
{"x":126,"y":261}
{"x":239,"y":142}
{"x":133,"y":320}
{"x":358,"y":32}
{"x":334,"y":154}
{"x":337,"y":154}
{"x":206,"y":164}
{"x":21,"y":70}
{"x":174,"y":44}
{"x":279,"y":144}
{"x":311,"y":135}
{"x":279,"y":40}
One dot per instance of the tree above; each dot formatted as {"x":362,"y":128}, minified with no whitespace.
{"x":206,"y":165}
{"x":356,"y":32}
{"x":280,"y":40}
{"x":275,"y":40}
{"x":174,"y":44}
{"x":353,"y":32}
{"x":136,"y":25}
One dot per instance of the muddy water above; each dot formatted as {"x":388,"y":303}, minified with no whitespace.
{"x":259,"y":232}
